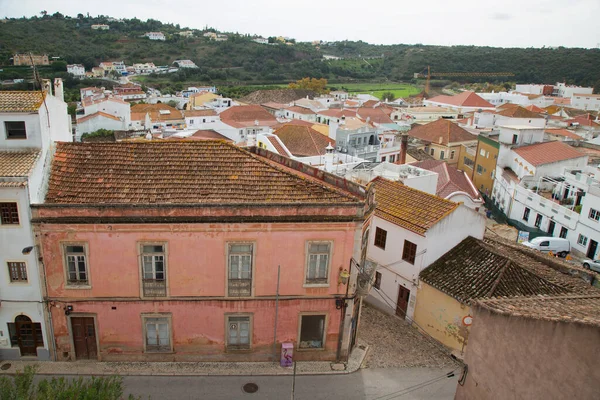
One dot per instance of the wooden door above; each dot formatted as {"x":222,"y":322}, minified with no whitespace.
{"x":26,"y":334}
{"x":402,"y":305}
{"x":551,"y":227}
{"x":591,"y":253}
{"x":84,"y":338}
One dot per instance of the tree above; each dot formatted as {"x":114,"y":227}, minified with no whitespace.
{"x":172,"y":103}
{"x":44,"y":13}
{"x":21,"y":386}
{"x":388,"y":96}
{"x":316,"y":85}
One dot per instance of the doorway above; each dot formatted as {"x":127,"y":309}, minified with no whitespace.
{"x":29,"y":335}
{"x":402,"y":305}
{"x":84,"y":338}
{"x":551,"y":226}
{"x":591,"y":253}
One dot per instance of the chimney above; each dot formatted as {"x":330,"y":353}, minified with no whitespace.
{"x":403,"y":148}
{"x":47,"y":86}
{"x":59,"y":91}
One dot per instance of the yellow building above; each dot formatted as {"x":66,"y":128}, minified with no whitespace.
{"x":486,"y":158}
{"x":198,"y":100}
{"x":466,"y":158}
{"x":443,"y":139}
{"x":477,"y":269}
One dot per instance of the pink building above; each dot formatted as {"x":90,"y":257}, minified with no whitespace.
{"x":169,"y":251}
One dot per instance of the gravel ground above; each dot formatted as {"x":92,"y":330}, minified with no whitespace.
{"x":394,"y":343}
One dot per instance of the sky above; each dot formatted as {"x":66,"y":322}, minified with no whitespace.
{"x":506,"y":23}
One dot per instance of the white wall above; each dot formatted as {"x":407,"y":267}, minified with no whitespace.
{"x":32,"y":127}
{"x":99,"y":122}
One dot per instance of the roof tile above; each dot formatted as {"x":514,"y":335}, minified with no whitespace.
{"x":303,"y":141}
{"x":443,"y":132}
{"x":17,"y":163}
{"x":20,"y":101}
{"x":547,"y":153}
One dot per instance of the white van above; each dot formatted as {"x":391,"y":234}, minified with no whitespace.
{"x":546,"y":244}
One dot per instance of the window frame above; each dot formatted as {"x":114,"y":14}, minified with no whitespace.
{"x":165,"y":255}
{"x":325,"y":326}
{"x":19,"y":270}
{"x":375,"y":238}
{"x":307,"y":263}
{"x":65,"y":254}
{"x":169,"y":318}
{"x":10,"y":224}
{"x":408,"y":257}
{"x":594,"y":215}
{"x":539,"y":217}
{"x":6,"y":129}
{"x":526,"y":214}
{"x":250,"y":317}
{"x":442,"y":154}
{"x":582,"y":240}
{"x":377,"y":283}
{"x":563,"y":232}
{"x":452,"y":154}
{"x":252,"y":266}
{"x":479,"y":169}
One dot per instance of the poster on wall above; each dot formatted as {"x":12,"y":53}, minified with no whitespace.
{"x":523,"y":237}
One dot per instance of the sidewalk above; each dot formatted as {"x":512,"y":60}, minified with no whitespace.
{"x":188,"y":368}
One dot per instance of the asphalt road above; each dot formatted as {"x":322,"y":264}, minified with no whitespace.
{"x":367,"y":384}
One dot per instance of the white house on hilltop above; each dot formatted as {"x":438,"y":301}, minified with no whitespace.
{"x":155,"y":35}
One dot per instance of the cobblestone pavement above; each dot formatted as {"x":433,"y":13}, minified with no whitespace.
{"x":393,"y":343}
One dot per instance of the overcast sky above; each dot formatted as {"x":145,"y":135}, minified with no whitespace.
{"x":506,"y":23}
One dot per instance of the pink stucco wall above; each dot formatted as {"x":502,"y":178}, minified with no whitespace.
{"x":198,"y":329}
{"x":196,"y":278}
{"x":196,"y":257}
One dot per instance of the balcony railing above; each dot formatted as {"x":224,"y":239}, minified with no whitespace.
{"x":239,"y":287}
{"x":154,"y":288}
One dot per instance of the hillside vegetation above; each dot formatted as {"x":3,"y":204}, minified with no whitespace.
{"x":239,"y":61}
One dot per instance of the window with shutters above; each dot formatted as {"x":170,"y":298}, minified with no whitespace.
{"x":154,"y":269}
{"x":17,"y":271}
{"x":317,"y":269}
{"x":239,"y":332}
{"x":380,"y":238}
{"x":312,"y":331}
{"x":76,"y":264}
{"x":409,"y":253}
{"x":157,"y":332}
{"x":240,"y":259}
{"x":9,"y":214}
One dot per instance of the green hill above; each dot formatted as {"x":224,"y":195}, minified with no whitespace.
{"x":239,"y":61}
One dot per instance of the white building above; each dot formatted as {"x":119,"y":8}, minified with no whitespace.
{"x":261,"y":40}
{"x":155,"y":35}
{"x":422,"y":115}
{"x":201,"y":119}
{"x":102,"y":27}
{"x":587,"y":233}
{"x":185,"y":64}
{"x":144,"y":68}
{"x":411,"y":176}
{"x":109,"y":113}
{"x":76,"y":70}
{"x":586,"y":101}
{"x":30,"y":123}
{"x":408,"y":231}
{"x":500,"y":98}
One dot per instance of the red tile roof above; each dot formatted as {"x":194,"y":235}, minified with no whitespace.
{"x":139,"y":111}
{"x":200,"y":113}
{"x":535,"y":109}
{"x":280,"y":149}
{"x":203,"y":134}
{"x":245,"y":116}
{"x":300,"y":110}
{"x":518,"y":112}
{"x":178,"y":172}
{"x":407,"y":207}
{"x":547,"y":153}
{"x":297,"y":122}
{"x":584,"y":120}
{"x":303,"y":141}
{"x":338,"y":113}
{"x":443,"y":132}
{"x":450,"y":179}
{"x":564,"y":132}
{"x":97,"y":114}
{"x":375,"y":115}
{"x":370,"y":103}
{"x":465,"y":99}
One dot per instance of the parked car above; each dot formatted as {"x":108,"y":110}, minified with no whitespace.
{"x":546,"y":244}
{"x":594,"y":265}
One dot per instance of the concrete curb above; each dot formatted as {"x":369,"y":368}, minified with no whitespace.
{"x":355,"y":362}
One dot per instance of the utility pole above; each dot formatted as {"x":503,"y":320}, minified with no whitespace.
{"x":276,"y":312}
{"x":294,"y":382}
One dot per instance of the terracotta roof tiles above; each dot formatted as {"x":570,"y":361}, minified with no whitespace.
{"x":17,"y":163}
{"x":20,"y":101}
{"x":178,"y":172}
{"x":407,"y":207}
{"x":442,"y":132}
{"x":547,"y":153}
{"x":477,"y":269}
{"x":244,"y":116}
{"x":303,"y":141}
{"x":582,"y":309}
{"x":97,"y":114}
{"x":464,"y":99}
{"x":564,"y":132}
{"x":518,"y":112}
{"x":375,"y":115}
{"x":450,"y":179}
{"x":277,"y":144}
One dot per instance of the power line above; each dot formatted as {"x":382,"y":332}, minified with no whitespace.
{"x":421,"y":385}
{"x":422,"y":331}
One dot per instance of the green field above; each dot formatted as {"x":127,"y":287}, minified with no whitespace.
{"x":377,"y":89}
